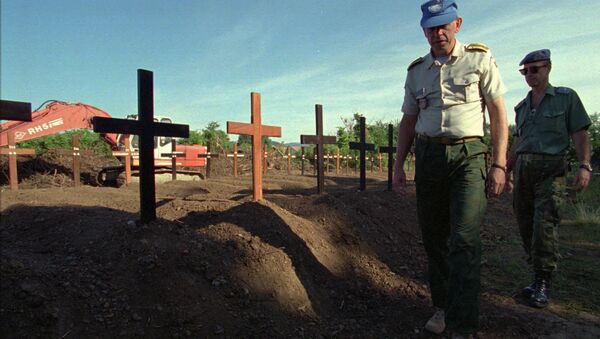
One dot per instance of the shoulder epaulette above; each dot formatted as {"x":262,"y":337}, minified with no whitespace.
{"x":415,"y":62}
{"x":563,"y":90}
{"x":520,"y":104}
{"x":476,"y":46}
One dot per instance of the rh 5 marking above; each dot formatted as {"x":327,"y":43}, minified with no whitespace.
{"x":41,"y":127}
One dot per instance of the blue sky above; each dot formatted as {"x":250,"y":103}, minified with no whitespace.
{"x":207,"y":56}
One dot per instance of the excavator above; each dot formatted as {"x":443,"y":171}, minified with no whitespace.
{"x":55,"y":116}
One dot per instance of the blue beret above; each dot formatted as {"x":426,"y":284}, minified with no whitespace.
{"x":539,"y":55}
{"x":438,"y":13}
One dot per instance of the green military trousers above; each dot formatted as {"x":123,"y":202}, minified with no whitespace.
{"x":451,"y":202}
{"x":539,"y":191}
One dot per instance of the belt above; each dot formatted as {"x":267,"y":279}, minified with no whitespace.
{"x":447,"y":140}
{"x":537,"y":156}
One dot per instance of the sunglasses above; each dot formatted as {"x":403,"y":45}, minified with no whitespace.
{"x":532,"y":69}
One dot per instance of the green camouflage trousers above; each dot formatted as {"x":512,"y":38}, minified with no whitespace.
{"x":451,"y":203}
{"x":539,"y":191}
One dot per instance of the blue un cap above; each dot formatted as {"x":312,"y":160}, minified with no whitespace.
{"x":539,"y":55}
{"x":438,"y":13}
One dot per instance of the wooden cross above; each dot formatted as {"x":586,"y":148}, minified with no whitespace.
{"x":337,"y":162}
{"x":76,"y":153}
{"x":127,"y":154}
{"x":208,"y":155}
{"x":303,"y":157}
{"x":15,"y":110}
{"x":146,"y":128}
{"x":319,"y":140}
{"x":257,"y":131}
{"x":235,"y":155}
{"x":363,"y":147}
{"x":174,"y":154}
{"x":12,"y":151}
{"x":390,"y":150}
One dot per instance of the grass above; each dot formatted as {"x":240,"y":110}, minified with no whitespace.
{"x":576,"y":284}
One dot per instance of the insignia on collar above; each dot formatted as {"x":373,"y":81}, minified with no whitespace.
{"x":476,"y":46}
{"x":415,"y":62}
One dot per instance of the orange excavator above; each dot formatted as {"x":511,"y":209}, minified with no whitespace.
{"x":57,"y":116}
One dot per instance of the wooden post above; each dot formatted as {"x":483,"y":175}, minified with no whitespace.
{"x":302,"y":161}
{"x":265,"y":163}
{"x":363,"y":147}
{"x":12,"y":151}
{"x":147,"y":129}
{"x":174,"y":154}
{"x":319,"y":140}
{"x":289,"y":160}
{"x":208,"y":155}
{"x":380,"y":157}
{"x":256,"y":130}
{"x":337,"y":161}
{"x":390,"y":150}
{"x":76,"y":160}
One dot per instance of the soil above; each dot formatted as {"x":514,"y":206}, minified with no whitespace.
{"x":76,"y":263}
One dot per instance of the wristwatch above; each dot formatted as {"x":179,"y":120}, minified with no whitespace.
{"x":586,"y":166}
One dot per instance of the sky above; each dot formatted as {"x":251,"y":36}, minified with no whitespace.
{"x":208,"y":55}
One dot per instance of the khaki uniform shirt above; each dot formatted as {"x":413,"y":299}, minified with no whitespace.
{"x":450,"y":98}
{"x":547,"y":129}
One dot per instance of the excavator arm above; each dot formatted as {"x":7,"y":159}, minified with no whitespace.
{"x":56,"y":116}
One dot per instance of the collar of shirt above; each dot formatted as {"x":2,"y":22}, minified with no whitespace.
{"x":550,"y":90}
{"x":457,"y":52}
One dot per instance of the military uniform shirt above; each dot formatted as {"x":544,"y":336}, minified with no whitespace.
{"x":450,"y":98}
{"x":547,"y":129}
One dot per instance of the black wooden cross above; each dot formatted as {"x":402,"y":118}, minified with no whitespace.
{"x":319,"y":140}
{"x":363,"y":147}
{"x":15,"y":110}
{"x":390,"y":150}
{"x":146,"y":128}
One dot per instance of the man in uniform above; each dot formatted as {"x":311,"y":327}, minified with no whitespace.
{"x":446,"y":93}
{"x":545,"y":120}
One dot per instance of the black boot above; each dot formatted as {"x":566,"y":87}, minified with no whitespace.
{"x":541,"y":293}
{"x":528,"y":290}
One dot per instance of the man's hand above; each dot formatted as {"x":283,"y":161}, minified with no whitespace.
{"x":495,"y":182}
{"x":399,"y":181}
{"x":582,"y":179}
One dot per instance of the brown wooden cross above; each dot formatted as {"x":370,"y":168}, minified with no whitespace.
{"x":12,"y":151}
{"x":76,"y":153}
{"x":146,"y":128}
{"x":390,"y":150}
{"x":173,"y":154}
{"x":363,"y":147}
{"x":15,"y":110}
{"x":127,"y":154}
{"x":235,"y":155}
{"x":208,"y":156}
{"x":319,"y":140}
{"x":257,"y":131}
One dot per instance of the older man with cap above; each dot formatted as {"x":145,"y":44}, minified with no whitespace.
{"x":446,"y":94}
{"x":545,"y":120}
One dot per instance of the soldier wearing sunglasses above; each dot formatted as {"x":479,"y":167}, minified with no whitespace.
{"x":547,"y":119}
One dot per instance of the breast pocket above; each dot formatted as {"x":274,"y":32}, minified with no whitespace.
{"x":467,"y":87}
{"x":554,"y":120}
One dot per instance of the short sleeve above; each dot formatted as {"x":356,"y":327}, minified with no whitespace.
{"x":410,"y":105}
{"x":578,"y":118}
{"x":491,"y":84}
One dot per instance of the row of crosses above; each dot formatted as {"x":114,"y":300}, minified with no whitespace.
{"x":147,"y":129}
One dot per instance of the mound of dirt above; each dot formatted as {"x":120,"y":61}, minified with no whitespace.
{"x":75,"y":263}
